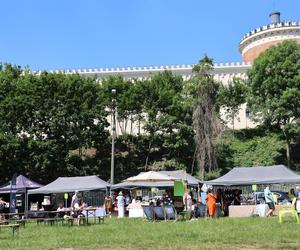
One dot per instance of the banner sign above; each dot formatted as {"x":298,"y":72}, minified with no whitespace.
{"x":179,"y":188}
{"x":13,"y":191}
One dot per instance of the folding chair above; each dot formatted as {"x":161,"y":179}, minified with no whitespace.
{"x":159,"y":213}
{"x":149,"y":212}
{"x":170,"y":212}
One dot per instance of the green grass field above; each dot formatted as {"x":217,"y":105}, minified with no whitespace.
{"x":224,"y":233}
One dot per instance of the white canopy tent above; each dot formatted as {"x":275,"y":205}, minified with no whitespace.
{"x":151,"y":176}
{"x":157,"y":179}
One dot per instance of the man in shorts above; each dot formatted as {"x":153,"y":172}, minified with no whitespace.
{"x":269,"y":200}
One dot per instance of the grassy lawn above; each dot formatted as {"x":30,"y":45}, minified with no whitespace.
{"x":224,"y":233}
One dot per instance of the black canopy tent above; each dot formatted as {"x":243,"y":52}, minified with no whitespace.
{"x":242,"y":176}
{"x":22,"y":185}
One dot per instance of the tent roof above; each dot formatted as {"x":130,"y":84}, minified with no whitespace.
{"x":172,"y":175}
{"x":182,"y":175}
{"x":143,"y":184}
{"x":70,"y":184}
{"x":22,"y":183}
{"x":150,"y":176}
{"x":278,"y":174}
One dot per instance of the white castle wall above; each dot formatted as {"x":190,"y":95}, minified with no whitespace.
{"x":223,"y":72}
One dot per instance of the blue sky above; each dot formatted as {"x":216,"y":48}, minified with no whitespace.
{"x":63,"y":34}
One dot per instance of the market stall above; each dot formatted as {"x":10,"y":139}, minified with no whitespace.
{"x":23,"y":185}
{"x":150,"y":186}
{"x":65,"y":185}
{"x":254,"y":177}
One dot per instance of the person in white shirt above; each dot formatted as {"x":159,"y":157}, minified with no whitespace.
{"x":269,"y":200}
{"x":121,"y":205}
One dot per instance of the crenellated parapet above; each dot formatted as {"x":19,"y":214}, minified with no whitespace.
{"x":258,"y":40}
{"x":184,"y":70}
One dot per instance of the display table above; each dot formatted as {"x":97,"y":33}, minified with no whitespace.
{"x":241,"y":211}
{"x":135,"y":210}
{"x":248,"y":210}
{"x":94,"y":212}
{"x":260,"y":209}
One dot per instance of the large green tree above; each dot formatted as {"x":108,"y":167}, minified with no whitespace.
{"x":274,"y":90}
{"x":45,"y":119}
{"x":206,"y":122}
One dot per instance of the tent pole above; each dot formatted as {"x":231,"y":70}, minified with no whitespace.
{"x":26,"y":203}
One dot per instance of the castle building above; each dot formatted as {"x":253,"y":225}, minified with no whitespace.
{"x":251,"y":46}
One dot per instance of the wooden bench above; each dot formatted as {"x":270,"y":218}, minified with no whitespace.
{"x":50,"y":221}
{"x":69,"y":220}
{"x":21,"y":222}
{"x":100,"y":218}
{"x":97,"y":218}
{"x":14,"y":227}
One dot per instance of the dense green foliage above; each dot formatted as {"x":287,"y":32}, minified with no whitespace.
{"x":274,"y":89}
{"x":58,"y":125}
{"x":45,"y":119}
{"x":231,"y":97}
{"x":130,"y":233}
{"x":245,"y":149}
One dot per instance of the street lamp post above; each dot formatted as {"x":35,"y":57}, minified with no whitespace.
{"x":113,"y":136}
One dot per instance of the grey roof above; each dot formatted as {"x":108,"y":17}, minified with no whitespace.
{"x":70,"y":184}
{"x":278,"y":174}
{"x":22,"y":183}
{"x":177,"y":174}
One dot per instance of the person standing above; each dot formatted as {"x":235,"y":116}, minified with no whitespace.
{"x":187,"y":200}
{"x":269,"y":200}
{"x":211,"y":200}
{"x":121,"y":205}
{"x":108,"y":204}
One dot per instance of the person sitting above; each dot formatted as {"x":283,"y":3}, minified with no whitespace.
{"x":3,"y":204}
{"x":77,"y":208}
{"x":60,"y":207}
{"x":61,"y":210}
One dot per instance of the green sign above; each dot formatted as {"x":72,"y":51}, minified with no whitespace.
{"x":179,"y":188}
{"x":254,"y":187}
{"x":66,"y":196}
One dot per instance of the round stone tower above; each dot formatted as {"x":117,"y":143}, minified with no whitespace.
{"x":260,"y":39}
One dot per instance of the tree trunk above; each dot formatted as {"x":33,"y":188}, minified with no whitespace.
{"x":288,"y":147}
{"x":147,"y":158}
{"x":288,"y":152}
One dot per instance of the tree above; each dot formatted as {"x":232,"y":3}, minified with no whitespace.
{"x":274,"y":90}
{"x":231,"y":97}
{"x":206,"y":122}
{"x":45,"y":119}
{"x":247,"y":148}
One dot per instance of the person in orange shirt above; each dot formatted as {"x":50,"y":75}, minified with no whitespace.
{"x":211,"y":203}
